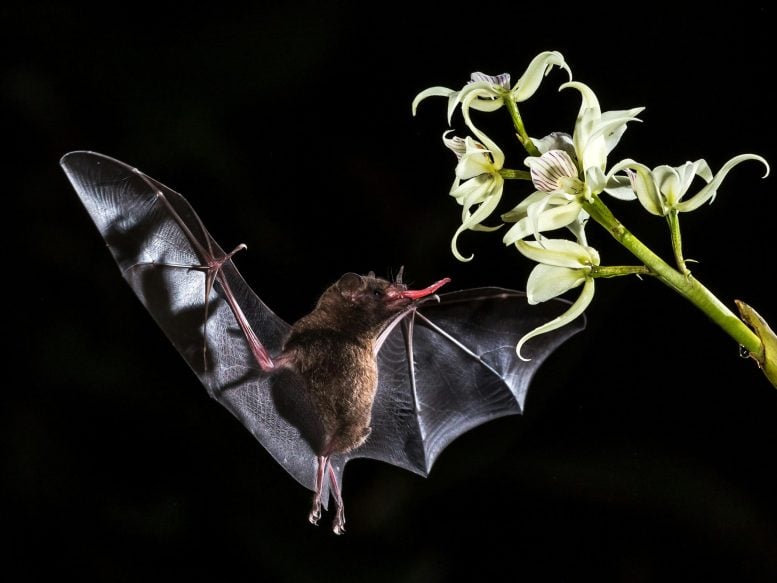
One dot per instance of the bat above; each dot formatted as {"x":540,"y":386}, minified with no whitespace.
{"x":375,"y":370}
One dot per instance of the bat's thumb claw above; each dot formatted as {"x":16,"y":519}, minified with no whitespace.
{"x":338,"y":528}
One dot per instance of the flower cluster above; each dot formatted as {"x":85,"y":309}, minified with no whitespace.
{"x":569,"y":174}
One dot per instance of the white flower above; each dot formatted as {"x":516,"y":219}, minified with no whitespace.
{"x":570,"y":171}
{"x":490,"y":92}
{"x":478,"y":184}
{"x":663,"y":189}
{"x":563,"y":265}
{"x":595,"y":136}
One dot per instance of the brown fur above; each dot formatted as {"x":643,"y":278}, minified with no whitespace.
{"x":332,"y":348}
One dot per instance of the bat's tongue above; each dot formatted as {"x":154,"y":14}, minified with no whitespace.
{"x":415,"y":294}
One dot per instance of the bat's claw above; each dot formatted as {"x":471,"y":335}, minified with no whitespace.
{"x":315,"y":512}
{"x":338,"y":524}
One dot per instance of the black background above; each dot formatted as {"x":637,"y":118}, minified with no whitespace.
{"x":648,"y":445}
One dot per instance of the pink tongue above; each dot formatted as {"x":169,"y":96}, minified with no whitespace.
{"x":414,"y":294}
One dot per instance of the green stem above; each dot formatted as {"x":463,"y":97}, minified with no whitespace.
{"x":684,"y":284}
{"x":523,"y":137}
{"x":515,"y":174}
{"x":673,"y":218}
{"x":618,"y":270}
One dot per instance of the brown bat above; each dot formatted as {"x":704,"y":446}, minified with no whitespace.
{"x":374,"y":371}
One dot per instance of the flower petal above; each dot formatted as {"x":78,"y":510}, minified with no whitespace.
{"x":559,"y":253}
{"x":614,"y":125}
{"x":549,"y":219}
{"x":546,"y":170}
{"x":643,"y":184}
{"x":556,"y":141}
{"x":549,"y":281}
{"x":709,"y":191}
{"x":520,"y":210}
{"x":432,"y":92}
{"x":471,"y":221}
{"x":502,"y":80}
{"x":456,"y":144}
{"x":575,"y":310}
{"x":539,"y":67}
{"x":619,"y":186}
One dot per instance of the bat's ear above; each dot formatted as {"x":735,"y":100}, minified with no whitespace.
{"x":350,"y":283}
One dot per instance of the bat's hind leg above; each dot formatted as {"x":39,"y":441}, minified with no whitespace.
{"x":338,"y":524}
{"x":315,"y":511}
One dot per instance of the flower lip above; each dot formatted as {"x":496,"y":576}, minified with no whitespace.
{"x":552,"y":170}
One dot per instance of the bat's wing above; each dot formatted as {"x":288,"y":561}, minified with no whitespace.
{"x":169,"y":259}
{"x":450,"y":366}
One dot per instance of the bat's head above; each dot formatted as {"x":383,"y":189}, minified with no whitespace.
{"x":366,"y":302}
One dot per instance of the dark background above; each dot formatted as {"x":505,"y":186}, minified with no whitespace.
{"x":648,"y":445}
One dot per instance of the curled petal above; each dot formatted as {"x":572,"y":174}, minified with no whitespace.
{"x":471,"y":221}
{"x":434,"y":92}
{"x":456,"y":144}
{"x":708,"y":192}
{"x":589,"y":113}
{"x":597,"y":133}
{"x":575,"y":310}
{"x":465,"y":106}
{"x":540,"y":66}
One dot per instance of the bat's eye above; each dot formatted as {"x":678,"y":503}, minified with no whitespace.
{"x":377,"y":293}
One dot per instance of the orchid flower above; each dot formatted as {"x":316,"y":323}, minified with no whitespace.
{"x":490,"y":92}
{"x":563,"y":265}
{"x":571,"y":170}
{"x":478,"y":183}
{"x":569,"y":173}
{"x":663,"y":189}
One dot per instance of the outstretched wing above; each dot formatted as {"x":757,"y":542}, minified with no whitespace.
{"x":171,"y":262}
{"x":450,"y":366}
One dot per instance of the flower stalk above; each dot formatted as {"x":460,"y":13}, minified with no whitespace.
{"x":684,"y":284}
{"x":570,"y":173}
{"x":520,"y":129}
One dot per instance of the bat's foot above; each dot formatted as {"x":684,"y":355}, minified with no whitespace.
{"x":338,"y":524}
{"x":315,"y":512}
